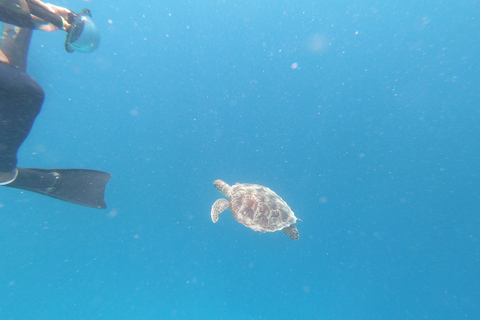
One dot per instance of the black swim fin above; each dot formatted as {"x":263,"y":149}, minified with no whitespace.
{"x":79,"y":186}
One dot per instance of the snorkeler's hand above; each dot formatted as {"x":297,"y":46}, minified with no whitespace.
{"x":62,"y":12}
{"x":70,"y":19}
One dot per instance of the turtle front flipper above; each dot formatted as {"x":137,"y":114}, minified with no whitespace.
{"x":218,"y":207}
{"x":291,"y":231}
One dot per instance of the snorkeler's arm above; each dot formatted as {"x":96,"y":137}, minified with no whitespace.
{"x":48,"y":17}
{"x":34,"y":14}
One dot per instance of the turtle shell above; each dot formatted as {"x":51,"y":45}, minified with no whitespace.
{"x":259,"y":208}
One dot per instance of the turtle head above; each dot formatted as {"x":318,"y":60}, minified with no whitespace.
{"x":221,"y":186}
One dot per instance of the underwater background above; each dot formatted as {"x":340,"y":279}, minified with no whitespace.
{"x":364,"y":116}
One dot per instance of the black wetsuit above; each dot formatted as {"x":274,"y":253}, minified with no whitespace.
{"x":21,"y":98}
{"x":20,"y":101}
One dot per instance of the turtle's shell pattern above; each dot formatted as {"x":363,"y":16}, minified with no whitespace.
{"x":259,"y":208}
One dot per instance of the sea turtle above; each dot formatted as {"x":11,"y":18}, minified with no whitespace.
{"x":256,"y":207}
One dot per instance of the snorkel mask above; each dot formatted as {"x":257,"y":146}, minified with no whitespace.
{"x":83,"y":35}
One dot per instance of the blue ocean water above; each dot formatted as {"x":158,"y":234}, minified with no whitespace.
{"x":363,"y":115}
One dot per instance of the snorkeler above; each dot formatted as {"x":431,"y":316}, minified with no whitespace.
{"x":21,"y":99}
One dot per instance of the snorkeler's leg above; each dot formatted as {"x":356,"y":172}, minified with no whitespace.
{"x":21,"y":99}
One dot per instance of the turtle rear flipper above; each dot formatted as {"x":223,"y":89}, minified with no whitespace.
{"x":291,"y":232}
{"x":218,"y":207}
